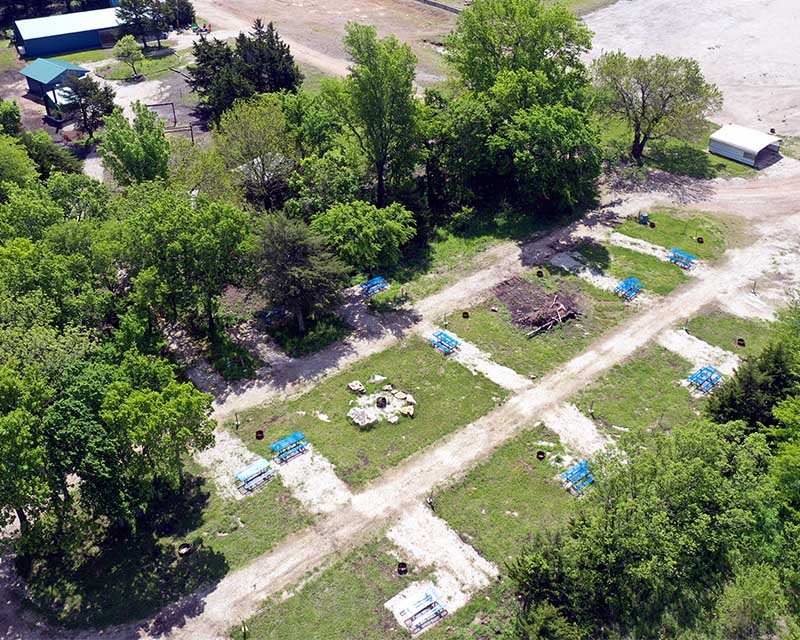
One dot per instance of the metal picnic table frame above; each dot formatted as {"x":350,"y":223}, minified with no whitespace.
{"x":629,"y":288}
{"x":705,"y":379}
{"x":289,"y":447}
{"x":681,"y":258}
{"x":444,"y":342}
{"x":373,"y":286}
{"x":254,"y":475}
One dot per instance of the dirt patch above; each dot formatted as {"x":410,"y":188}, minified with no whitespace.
{"x":312,"y":480}
{"x":532,"y":307}
{"x":228,"y":456}
{"x":698,"y":352}
{"x":480,"y":362}
{"x":577,"y":432}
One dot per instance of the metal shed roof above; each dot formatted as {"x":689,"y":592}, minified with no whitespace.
{"x":68,"y":23}
{"x":45,"y":71}
{"x":748,"y":140}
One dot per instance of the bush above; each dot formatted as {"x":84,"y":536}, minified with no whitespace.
{"x":320,"y":333}
{"x":230,"y":360}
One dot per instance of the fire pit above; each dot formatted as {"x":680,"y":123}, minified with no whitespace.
{"x":741,"y":342}
{"x":260,"y":434}
{"x":540,"y":455}
{"x":465,"y":314}
{"x":540,"y":274}
{"x":700,"y":240}
{"x":402,"y":568}
{"x":185,"y":549}
{"x":381,"y":402}
{"x":652,"y":225}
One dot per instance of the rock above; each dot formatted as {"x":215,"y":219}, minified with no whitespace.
{"x":399,"y":394}
{"x":408,"y":410}
{"x":356,"y":387}
{"x":493,"y":309}
{"x":393,"y":419}
{"x":322,"y":416}
{"x":300,"y":413}
{"x":410,"y":399}
{"x":376,"y":379}
{"x":362,"y":416}
{"x":388,"y":387}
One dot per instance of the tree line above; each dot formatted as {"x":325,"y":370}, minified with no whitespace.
{"x":688,"y":534}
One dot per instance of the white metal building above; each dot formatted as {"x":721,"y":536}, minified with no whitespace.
{"x":743,"y":144}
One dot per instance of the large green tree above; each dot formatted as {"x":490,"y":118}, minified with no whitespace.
{"x":16,"y":166}
{"x":363,"y":235}
{"x":88,"y":101}
{"x":135,"y":151}
{"x":296,"y":271}
{"x":378,"y":105}
{"x":657,"y":97}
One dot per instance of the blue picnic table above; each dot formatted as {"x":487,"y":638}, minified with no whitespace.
{"x":289,"y":447}
{"x":255,"y":474}
{"x":577,"y":477}
{"x":681,"y":258}
{"x":373,"y":286}
{"x":444,"y":342}
{"x":705,"y":379}
{"x":628,"y":288}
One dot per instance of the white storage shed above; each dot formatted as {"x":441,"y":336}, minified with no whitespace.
{"x":743,"y":144}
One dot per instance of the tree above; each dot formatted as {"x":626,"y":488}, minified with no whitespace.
{"x":201,"y":169}
{"x":90,"y":101}
{"x":180,"y":13}
{"x":364,"y":236}
{"x":658,"y":96}
{"x":296,"y":270}
{"x":159,"y":19}
{"x":10,"y":119}
{"x":751,"y":605}
{"x":253,"y":139}
{"x":16,"y":165}
{"x":79,"y":196}
{"x":377,"y":104}
{"x":127,"y":50}
{"x":138,"y":151}
{"x":136,"y":18}
{"x":48,"y":155}
{"x":321,"y":182}
{"x":492,"y":36}
{"x":259,"y":63}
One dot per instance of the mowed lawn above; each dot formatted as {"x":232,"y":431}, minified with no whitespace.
{"x":723,"y":329}
{"x":345,"y":602}
{"x":643,"y":392}
{"x":501,"y":504}
{"x":657,"y":276}
{"x":508,"y":345}
{"x":102,"y":582}
{"x":680,"y":230}
{"x":448,"y":397}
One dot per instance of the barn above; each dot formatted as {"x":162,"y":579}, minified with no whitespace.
{"x":44,"y":76}
{"x":54,"y":35}
{"x":744,"y":145}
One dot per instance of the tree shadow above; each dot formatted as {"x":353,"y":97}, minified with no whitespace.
{"x":128,"y":575}
{"x":595,"y":254}
{"x":681,"y":158}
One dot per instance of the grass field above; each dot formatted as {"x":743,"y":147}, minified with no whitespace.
{"x":722,"y":330}
{"x":8,"y":57}
{"x":83,"y":57}
{"x":643,"y":392}
{"x":657,"y":276}
{"x":107,"y":582}
{"x":680,"y":230}
{"x":346,"y":601}
{"x":499,"y":505}
{"x":150,"y":67}
{"x":448,"y":397}
{"x":507,"y":344}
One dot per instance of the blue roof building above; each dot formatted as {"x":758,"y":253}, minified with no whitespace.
{"x":44,"y":76}
{"x":54,"y":35}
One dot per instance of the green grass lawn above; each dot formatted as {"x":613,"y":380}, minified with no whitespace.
{"x":9,"y":61}
{"x":108,"y":581}
{"x":494,"y":333}
{"x":675,"y":228}
{"x":722,"y":330}
{"x":448,"y":397}
{"x":657,"y":276}
{"x":312,"y":78}
{"x":346,"y":601}
{"x":83,"y":57}
{"x":150,"y":67}
{"x":504,"y":501}
{"x":642,"y":392}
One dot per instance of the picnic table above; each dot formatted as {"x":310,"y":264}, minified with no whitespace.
{"x":424,"y":612}
{"x":289,"y":447}
{"x":628,"y":288}
{"x":681,"y":258}
{"x":254,"y":475}
{"x":577,"y":478}
{"x":444,"y":342}
{"x":705,"y":379}
{"x":373,"y":286}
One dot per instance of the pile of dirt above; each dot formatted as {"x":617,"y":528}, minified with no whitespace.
{"x":532,"y":307}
